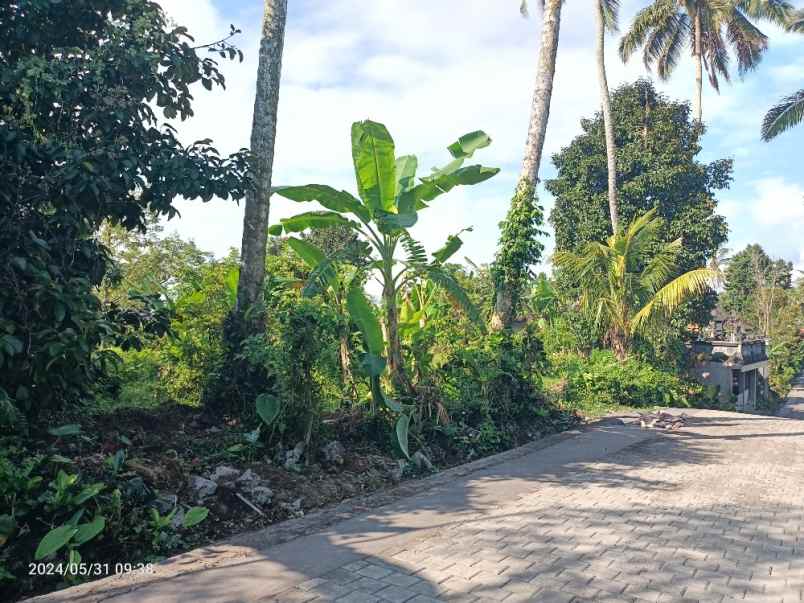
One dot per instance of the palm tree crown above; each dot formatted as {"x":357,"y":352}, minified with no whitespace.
{"x":626,"y":286}
{"x":710,"y":28}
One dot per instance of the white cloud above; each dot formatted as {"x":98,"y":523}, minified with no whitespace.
{"x":779,"y":203}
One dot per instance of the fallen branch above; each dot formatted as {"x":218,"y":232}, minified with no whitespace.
{"x":249,"y":503}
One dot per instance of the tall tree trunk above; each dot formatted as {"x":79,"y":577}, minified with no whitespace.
{"x":698,"y":66}
{"x":539,"y":115}
{"x":263,"y":137}
{"x":605,"y":103}
{"x":345,"y":359}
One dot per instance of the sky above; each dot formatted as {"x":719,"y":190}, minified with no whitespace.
{"x":433,"y":70}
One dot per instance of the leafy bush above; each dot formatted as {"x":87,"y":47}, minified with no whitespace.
{"x":103,"y":156}
{"x":600,"y":381}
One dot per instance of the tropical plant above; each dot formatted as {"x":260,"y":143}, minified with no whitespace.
{"x":626,"y":286}
{"x":518,"y":247}
{"x":389,"y":203}
{"x":263,"y":138}
{"x":711,"y":28}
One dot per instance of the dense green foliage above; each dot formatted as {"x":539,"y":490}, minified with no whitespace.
{"x":626,"y":287}
{"x":601,"y":381}
{"x":80,"y":144}
{"x":751,"y":277}
{"x":657,"y":144}
{"x":519,"y":249}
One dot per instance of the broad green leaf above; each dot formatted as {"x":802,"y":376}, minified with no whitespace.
{"x":65,"y":430}
{"x":405,"y":182}
{"x":275,"y":230}
{"x":372,"y":364}
{"x":54,"y":540}
{"x":433,"y":186}
{"x":363,"y":315}
{"x":88,"y":492}
{"x":452,"y":245}
{"x":375,"y":165}
{"x":402,"y":426}
{"x":88,"y":531}
{"x":268,"y":408}
{"x":389,"y":223}
{"x":12,"y":345}
{"x":339,"y":201}
{"x":467,"y":144}
{"x":310,"y":219}
{"x":194,"y":516}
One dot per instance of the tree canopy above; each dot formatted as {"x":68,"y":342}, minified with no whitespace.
{"x":81,"y":143}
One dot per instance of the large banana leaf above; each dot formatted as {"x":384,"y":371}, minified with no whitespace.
{"x":375,"y":165}
{"x":310,"y":219}
{"x":328,"y":197}
{"x":467,"y":144}
{"x":405,"y":181}
{"x":453,"y":244}
{"x":363,"y":315}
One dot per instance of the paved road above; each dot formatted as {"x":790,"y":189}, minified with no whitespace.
{"x":714,"y":512}
{"x":794,"y":408}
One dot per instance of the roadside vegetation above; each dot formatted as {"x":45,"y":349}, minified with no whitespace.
{"x":155,"y":397}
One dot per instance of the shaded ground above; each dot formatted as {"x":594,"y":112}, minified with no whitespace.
{"x":714,"y":512}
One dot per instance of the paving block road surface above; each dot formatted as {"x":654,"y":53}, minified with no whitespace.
{"x":712,"y":512}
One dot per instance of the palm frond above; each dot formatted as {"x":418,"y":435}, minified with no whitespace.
{"x":786,"y":114}
{"x":674,"y":43}
{"x":796,"y":21}
{"x":611,"y":14}
{"x":672,"y":295}
{"x":416,"y":254}
{"x":645,"y":21}
{"x":778,"y":12}
{"x":746,"y":39}
{"x":661,"y":267}
{"x":663,"y":36}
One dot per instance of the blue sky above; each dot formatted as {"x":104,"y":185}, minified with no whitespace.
{"x":434,"y":70}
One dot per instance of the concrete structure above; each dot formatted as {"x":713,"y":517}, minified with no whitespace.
{"x":738,"y":369}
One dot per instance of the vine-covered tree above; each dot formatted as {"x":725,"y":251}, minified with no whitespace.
{"x":518,"y":248}
{"x":657,"y":144}
{"x":81,"y":144}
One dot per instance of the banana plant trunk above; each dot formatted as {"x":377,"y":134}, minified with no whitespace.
{"x":263,"y":136}
{"x":396,"y":363}
{"x":503,"y":314}
{"x":698,"y":66}
{"x":346,"y":360}
{"x":608,"y":126}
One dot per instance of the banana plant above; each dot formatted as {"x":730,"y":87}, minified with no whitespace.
{"x":388,"y":203}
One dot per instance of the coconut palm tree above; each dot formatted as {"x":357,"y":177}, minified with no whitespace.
{"x":263,"y":137}
{"x":790,"y":110}
{"x":628,"y":288}
{"x":606,"y":19}
{"x":711,"y":28}
{"x":517,"y":247}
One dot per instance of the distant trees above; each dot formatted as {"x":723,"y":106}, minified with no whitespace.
{"x":754,"y":283}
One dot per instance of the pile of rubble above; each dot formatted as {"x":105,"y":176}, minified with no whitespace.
{"x":662,"y":420}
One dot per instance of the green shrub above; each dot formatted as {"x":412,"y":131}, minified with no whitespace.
{"x":599,"y":381}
